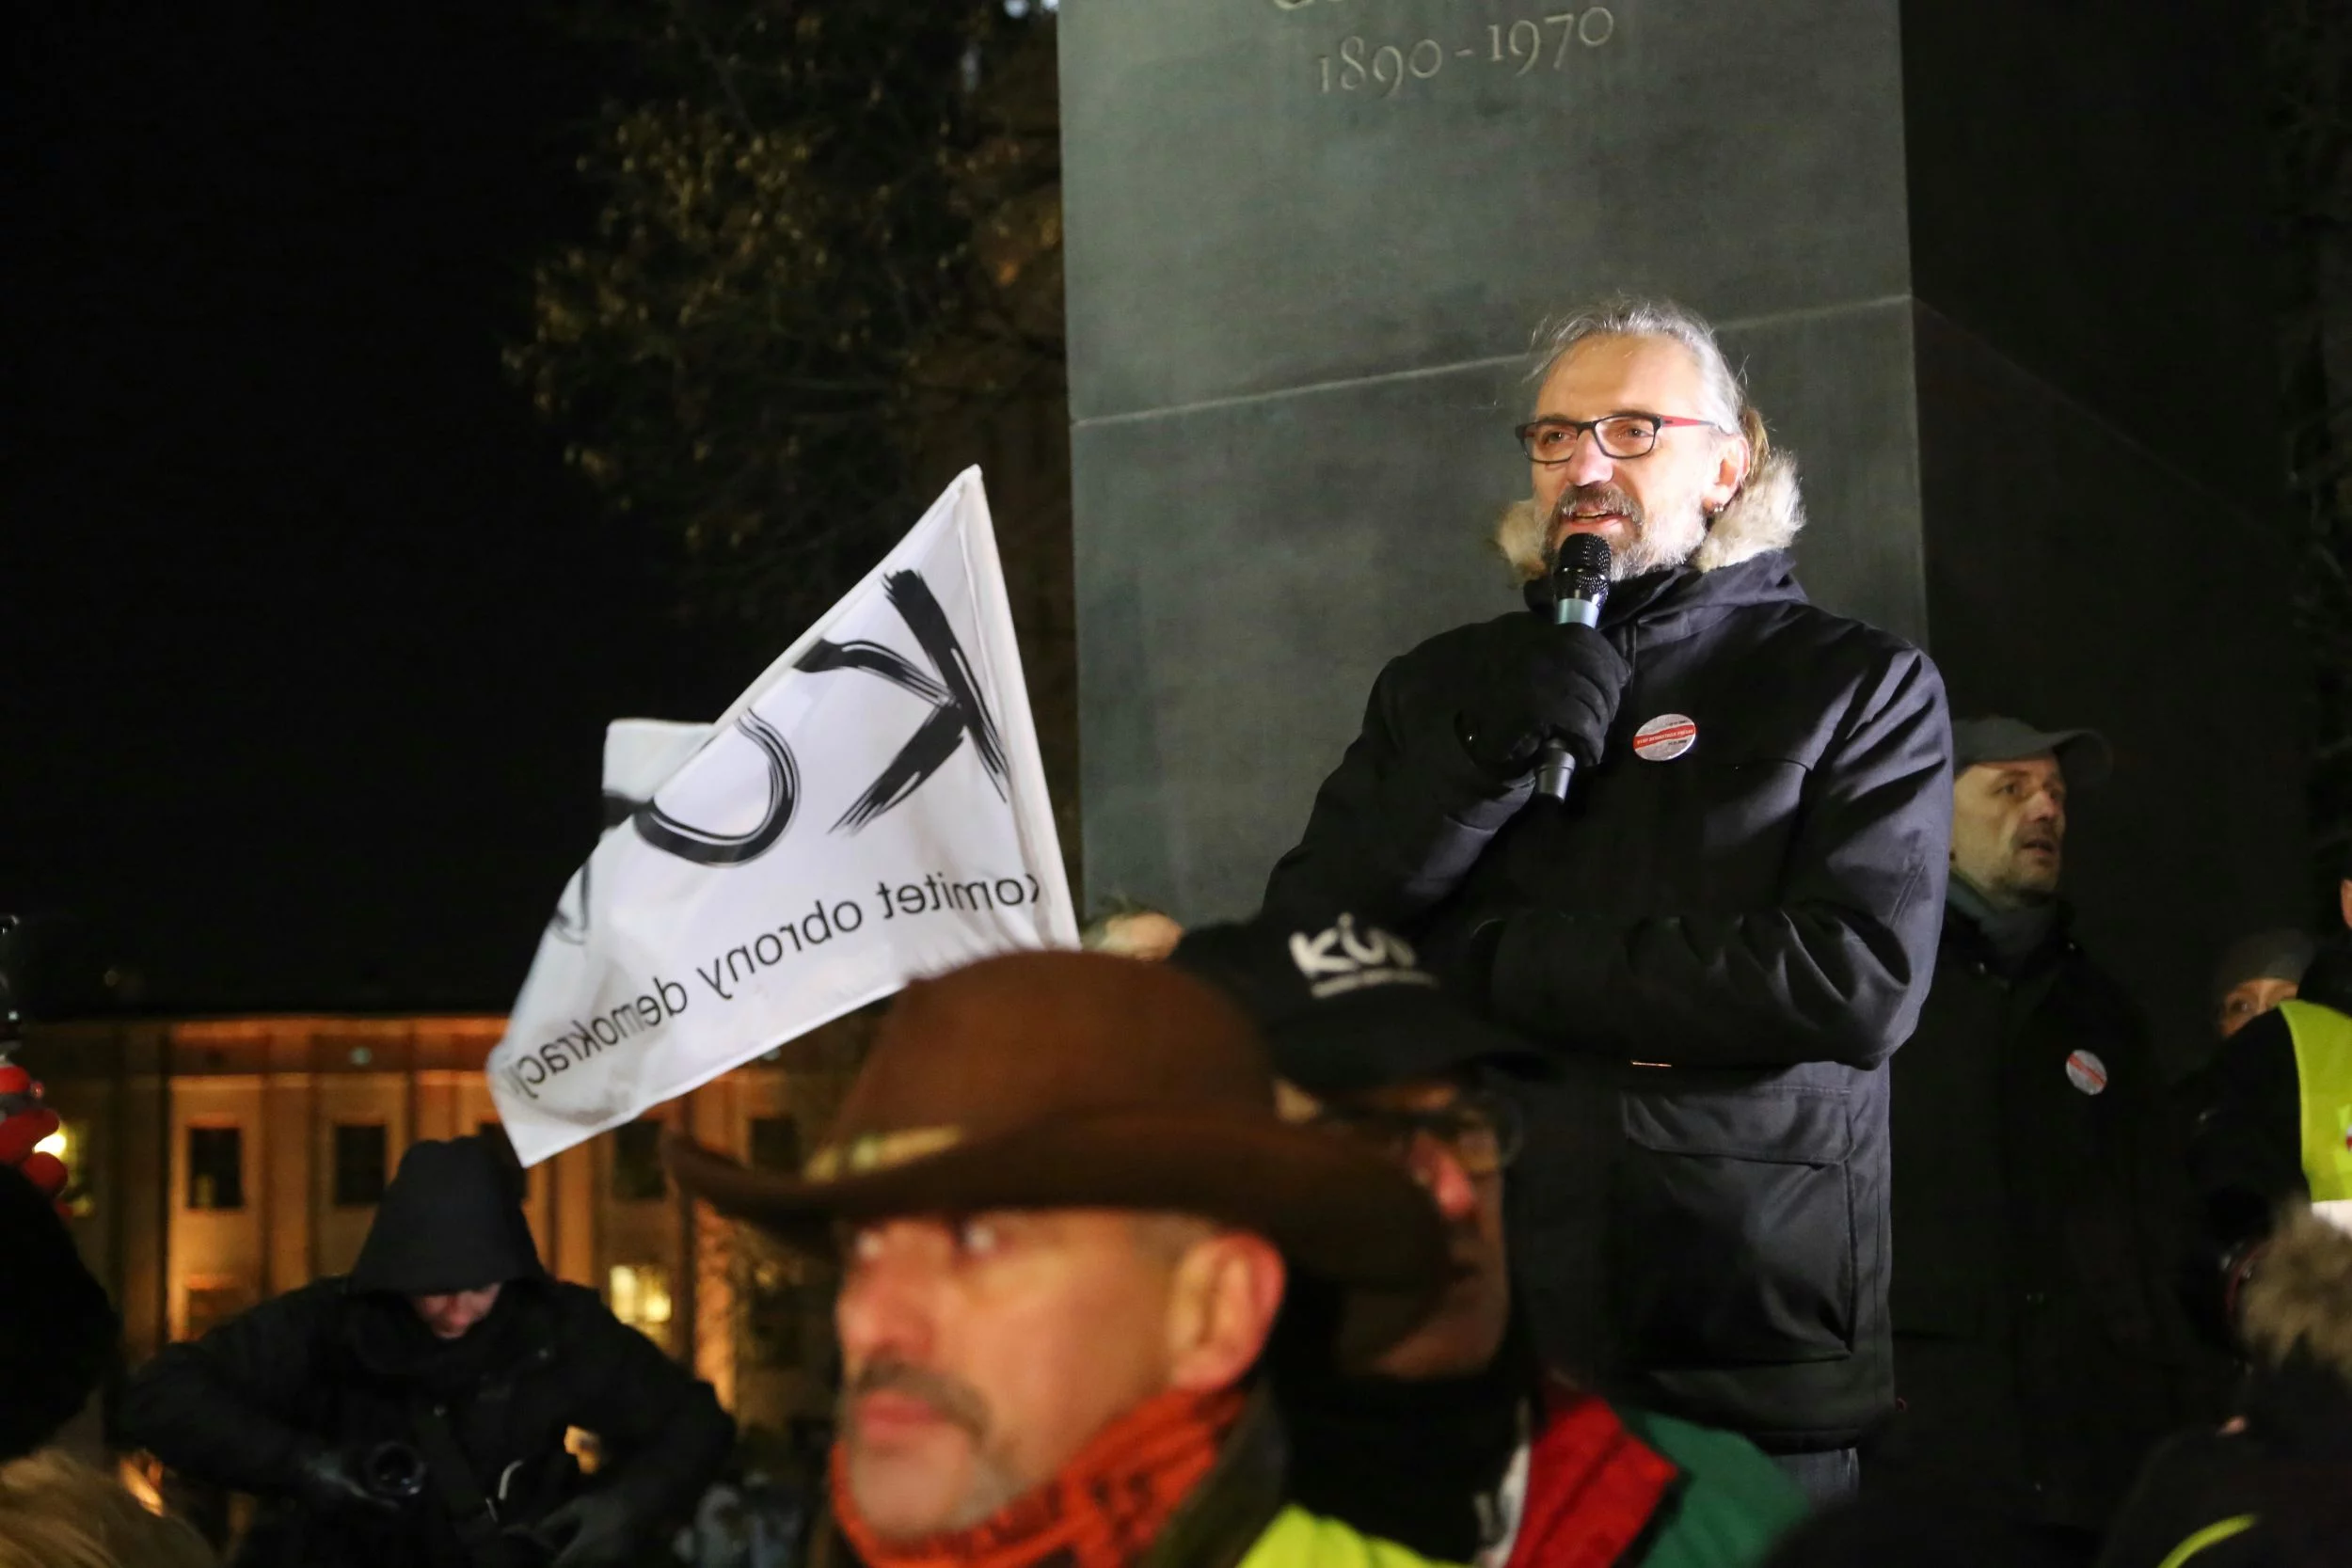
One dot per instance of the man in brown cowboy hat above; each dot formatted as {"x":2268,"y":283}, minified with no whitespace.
{"x":1066,"y":1209}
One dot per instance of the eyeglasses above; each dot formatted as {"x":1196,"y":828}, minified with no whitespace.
{"x":1485,"y":1131}
{"x":1621,"y":435}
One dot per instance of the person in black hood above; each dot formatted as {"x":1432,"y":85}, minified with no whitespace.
{"x":2273,"y":1487}
{"x":2040,"y":1345}
{"x":414,"y":1411}
{"x":2268,"y":1132}
{"x":1719,"y":937}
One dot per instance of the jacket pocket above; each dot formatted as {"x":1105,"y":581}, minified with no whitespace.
{"x":1731,"y":1228}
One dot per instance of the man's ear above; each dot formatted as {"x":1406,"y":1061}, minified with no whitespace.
{"x":2343,"y":892}
{"x":1730,"y":473}
{"x":1221,"y":1306}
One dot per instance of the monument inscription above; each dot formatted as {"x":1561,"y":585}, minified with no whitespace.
{"x":1360,"y":64}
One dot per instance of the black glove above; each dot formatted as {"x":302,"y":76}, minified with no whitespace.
{"x":329,"y":1479}
{"x":597,"y":1529}
{"x":1537,"y":682}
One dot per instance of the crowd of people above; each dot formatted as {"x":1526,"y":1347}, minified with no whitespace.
{"x":1730,"y":1158}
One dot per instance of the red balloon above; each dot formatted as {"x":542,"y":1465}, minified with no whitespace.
{"x":21,"y":1132}
{"x":45,"y":1171}
{"x":15,"y":1079}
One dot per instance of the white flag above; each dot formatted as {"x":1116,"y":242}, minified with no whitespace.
{"x":871,"y":810}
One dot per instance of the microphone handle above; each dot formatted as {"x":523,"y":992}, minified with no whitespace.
{"x":1554,"y":768}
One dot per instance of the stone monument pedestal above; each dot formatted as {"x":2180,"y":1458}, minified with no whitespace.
{"x":1996,"y":275}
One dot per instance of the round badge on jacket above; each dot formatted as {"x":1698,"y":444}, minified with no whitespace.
{"x":1666,"y":738}
{"x":2087,"y":1072}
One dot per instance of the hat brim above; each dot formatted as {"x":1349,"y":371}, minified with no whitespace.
{"x":1334,"y":1209}
{"x":2084,"y":755}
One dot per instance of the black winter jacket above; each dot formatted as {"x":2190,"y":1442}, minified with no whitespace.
{"x":344,"y":1363}
{"x":1722,"y":949}
{"x":2040,"y":1345}
{"x":2246,"y":1156}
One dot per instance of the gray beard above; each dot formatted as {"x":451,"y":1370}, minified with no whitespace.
{"x":1659,"y":544}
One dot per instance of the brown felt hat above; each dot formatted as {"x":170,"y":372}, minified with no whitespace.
{"x":1085,"y":1081}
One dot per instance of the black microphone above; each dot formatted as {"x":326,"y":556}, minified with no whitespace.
{"x":1580,"y":586}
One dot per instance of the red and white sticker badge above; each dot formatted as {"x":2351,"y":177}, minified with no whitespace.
{"x":2087,"y":1072}
{"x":1666,"y":738}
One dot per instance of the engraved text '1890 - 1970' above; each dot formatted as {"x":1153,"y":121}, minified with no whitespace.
{"x":1382,"y":69}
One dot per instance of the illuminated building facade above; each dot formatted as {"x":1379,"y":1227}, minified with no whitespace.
{"x":219,"y":1161}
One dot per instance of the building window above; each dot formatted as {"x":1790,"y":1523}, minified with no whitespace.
{"x":775,"y":1144}
{"x":774,"y":1301}
{"x":639,"y":1294}
{"x":212,"y":1300}
{"x":360,"y":1151}
{"x":637,"y":1163}
{"x":216,"y":1167}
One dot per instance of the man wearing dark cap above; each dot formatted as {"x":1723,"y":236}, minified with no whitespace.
{"x":1067,"y":1214}
{"x":2255,"y":975}
{"x":2039,"y":1347}
{"x":2276,"y":1121}
{"x":413,"y":1413}
{"x":1454,"y":1441}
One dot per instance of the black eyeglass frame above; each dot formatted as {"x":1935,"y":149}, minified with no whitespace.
{"x":1476,"y":1110}
{"x":1659,"y":425}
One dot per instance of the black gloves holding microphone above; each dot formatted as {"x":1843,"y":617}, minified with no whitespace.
{"x":1537,"y":682}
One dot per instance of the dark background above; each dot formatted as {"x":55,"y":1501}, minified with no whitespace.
{"x":309,"y":636}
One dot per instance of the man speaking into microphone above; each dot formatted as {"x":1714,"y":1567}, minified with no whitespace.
{"x":1722,"y":928}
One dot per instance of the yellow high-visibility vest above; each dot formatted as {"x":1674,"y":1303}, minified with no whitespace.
{"x":2323,"y":1067}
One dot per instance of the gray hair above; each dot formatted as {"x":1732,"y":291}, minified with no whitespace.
{"x":1722,"y":388}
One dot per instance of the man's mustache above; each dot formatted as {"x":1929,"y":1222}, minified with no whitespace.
{"x":1598,"y":498}
{"x":958,"y":1404}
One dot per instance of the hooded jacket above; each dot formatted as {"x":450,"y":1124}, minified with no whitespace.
{"x":2040,"y":1347}
{"x":2246,"y":1156}
{"x":345,"y":1362}
{"x":2269,"y":1491}
{"x":1720,"y":948}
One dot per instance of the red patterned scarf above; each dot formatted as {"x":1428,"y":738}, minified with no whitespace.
{"x":1102,"y":1510}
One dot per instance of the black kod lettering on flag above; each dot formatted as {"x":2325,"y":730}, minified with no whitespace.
{"x":874,"y":659}
{"x":954,"y":693}
{"x":703,"y":847}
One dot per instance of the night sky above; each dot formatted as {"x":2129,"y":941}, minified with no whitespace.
{"x":309,"y":635}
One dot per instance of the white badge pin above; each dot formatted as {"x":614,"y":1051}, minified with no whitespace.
{"x":1666,"y":738}
{"x":2087,"y":1072}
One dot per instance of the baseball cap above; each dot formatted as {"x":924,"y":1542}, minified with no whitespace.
{"x":1348,"y":1007}
{"x":2084,"y":755}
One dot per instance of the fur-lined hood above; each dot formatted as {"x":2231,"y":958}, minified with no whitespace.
{"x":1766,"y":514}
{"x":2301,"y":1296}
